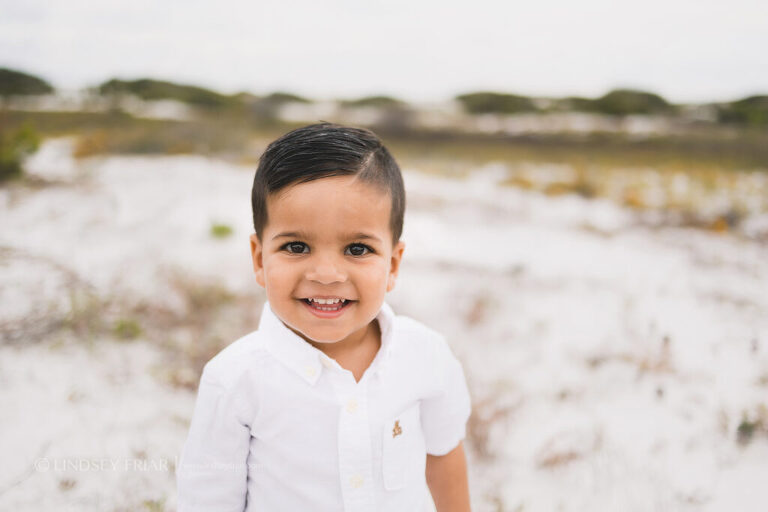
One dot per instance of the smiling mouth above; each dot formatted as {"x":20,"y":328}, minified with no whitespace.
{"x":335,"y":304}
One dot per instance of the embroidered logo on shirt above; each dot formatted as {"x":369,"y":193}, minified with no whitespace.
{"x":396,"y":430}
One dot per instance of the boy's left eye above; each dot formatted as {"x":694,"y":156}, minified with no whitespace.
{"x":358,"y":250}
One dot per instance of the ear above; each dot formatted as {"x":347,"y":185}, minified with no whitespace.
{"x":256,"y":256}
{"x":394,"y":264}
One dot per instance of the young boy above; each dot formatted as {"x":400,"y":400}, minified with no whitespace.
{"x":334,"y":403}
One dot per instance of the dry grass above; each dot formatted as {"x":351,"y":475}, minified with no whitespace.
{"x":205,"y":319}
{"x":711,"y":199}
{"x":489,"y":413}
{"x":555,"y":454}
{"x":656,"y":360}
{"x":520,"y":182}
{"x":479,"y":310}
{"x":77,"y":311}
{"x":93,"y":143}
{"x":553,"y":460}
{"x":192,"y":322}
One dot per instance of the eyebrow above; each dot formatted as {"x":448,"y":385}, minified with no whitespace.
{"x":365,"y":236}
{"x":290,"y":234}
{"x":299,"y":234}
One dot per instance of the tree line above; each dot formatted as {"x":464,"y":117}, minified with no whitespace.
{"x":750,"y":111}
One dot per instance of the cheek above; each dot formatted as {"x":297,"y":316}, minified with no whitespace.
{"x":375,"y":276}
{"x":279,"y":276}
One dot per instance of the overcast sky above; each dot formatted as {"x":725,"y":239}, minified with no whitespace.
{"x":686,"y":50}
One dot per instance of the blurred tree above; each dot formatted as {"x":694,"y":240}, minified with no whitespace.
{"x":148,"y":89}
{"x":622,"y":102}
{"x":573,"y":103}
{"x":493,"y":102}
{"x":278,"y":98}
{"x":18,"y":83}
{"x":751,"y":111}
{"x":266,"y":109}
{"x":373,"y":101}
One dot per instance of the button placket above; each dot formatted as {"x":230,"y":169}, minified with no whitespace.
{"x":354,"y":441}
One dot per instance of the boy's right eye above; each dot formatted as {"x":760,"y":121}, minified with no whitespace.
{"x":295,"y":247}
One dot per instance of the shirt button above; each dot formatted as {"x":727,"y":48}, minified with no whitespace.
{"x":310,"y":371}
{"x":352,"y":406}
{"x":356,"y":481}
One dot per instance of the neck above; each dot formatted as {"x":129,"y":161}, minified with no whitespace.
{"x":353,"y":344}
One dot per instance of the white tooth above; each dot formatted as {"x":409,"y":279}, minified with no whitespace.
{"x":326,"y":301}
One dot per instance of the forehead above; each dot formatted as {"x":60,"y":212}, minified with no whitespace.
{"x":329,"y":207}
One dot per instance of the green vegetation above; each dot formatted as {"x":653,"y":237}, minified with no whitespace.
{"x":236,"y":133}
{"x":619,"y":102}
{"x":154,"y":505}
{"x":374,"y":101}
{"x":15,"y":145}
{"x":263,"y":108}
{"x":493,"y":102}
{"x":696,"y":151}
{"x":574,"y":103}
{"x":266,"y":109}
{"x":163,"y":137}
{"x":752,"y":425}
{"x":126,"y":329}
{"x":752,"y":111}
{"x":220,"y":230}
{"x":148,"y":89}
{"x":279,"y":98}
{"x":622,"y":102}
{"x":18,"y":83}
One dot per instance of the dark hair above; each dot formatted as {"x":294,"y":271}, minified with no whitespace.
{"x":323,"y":150}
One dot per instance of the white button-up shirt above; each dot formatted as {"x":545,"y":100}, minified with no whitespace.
{"x":279,"y":426}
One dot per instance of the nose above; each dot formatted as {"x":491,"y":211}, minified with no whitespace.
{"x":326,"y":270}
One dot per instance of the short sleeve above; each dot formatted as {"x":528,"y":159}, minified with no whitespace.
{"x":444,"y":415}
{"x":212,"y":472}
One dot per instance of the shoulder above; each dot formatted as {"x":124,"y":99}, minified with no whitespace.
{"x":419,"y":338}
{"x":238,"y":359}
{"x":424,"y":358}
{"x":409,"y":327}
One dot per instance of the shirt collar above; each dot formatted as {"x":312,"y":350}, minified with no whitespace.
{"x":306,"y":360}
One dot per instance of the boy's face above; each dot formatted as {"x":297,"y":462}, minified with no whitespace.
{"x":327,"y":239}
